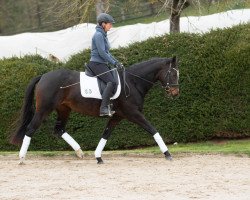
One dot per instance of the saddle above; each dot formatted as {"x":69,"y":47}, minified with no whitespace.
{"x":93,"y":87}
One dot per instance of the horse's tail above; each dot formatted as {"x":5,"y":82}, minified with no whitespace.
{"x":27,"y":113}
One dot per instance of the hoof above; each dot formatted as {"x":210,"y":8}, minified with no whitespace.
{"x":79,"y":153}
{"x":168,"y":156}
{"x":99,"y":161}
{"x":21,"y":161}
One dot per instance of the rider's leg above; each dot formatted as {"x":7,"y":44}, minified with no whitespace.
{"x":106,"y":77}
{"x":105,"y":105}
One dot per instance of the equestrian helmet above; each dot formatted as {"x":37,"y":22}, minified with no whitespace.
{"x":104,"y":17}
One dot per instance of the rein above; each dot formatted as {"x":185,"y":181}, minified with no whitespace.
{"x":125,"y":84}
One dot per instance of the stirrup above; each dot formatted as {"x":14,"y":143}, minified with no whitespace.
{"x":108,"y":113}
{"x":111,"y":111}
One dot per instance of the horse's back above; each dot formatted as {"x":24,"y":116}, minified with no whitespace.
{"x":61,"y":74}
{"x":59,"y":77}
{"x":51,"y":82}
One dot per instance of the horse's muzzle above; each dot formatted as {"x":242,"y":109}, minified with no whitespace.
{"x":172,"y":91}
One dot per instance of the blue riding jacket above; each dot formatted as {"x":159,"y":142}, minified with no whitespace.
{"x":100,"y":48}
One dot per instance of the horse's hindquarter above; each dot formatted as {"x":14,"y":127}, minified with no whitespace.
{"x":60,"y":89}
{"x":48,"y":90}
{"x":72,"y":98}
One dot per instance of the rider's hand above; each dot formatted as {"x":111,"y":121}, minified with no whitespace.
{"x":119,"y":66}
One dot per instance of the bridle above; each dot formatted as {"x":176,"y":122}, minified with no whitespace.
{"x":167,"y":76}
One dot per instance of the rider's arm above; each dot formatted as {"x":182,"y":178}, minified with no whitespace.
{"x":116,"y":61}
{"x":100,"y":45}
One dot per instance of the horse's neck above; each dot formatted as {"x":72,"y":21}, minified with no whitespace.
{"x":148,"y":72}
{"x":145,"y":77}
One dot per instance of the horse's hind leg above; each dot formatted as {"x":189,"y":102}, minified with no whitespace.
{"x":63,"y":113}
{"x":31,"y":128}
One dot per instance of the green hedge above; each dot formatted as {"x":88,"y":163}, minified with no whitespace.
{"x":214,"y":84}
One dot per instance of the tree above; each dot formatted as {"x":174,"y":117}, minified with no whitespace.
{"x":100,"y":6}
{"x":84,"y":8}
{"x":177,"y":6}
{"x":37,"y":15}
{"x":77,"y":10}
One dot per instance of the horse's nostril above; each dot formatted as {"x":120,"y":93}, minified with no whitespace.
{"x":177,"y":91}
{"x":173,"y":91}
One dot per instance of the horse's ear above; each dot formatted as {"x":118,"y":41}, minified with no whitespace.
{"x":174,"y":59}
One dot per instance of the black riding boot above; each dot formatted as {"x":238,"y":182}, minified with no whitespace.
{"x":105,"y":107}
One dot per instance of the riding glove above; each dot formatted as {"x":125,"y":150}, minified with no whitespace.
{"x":119,"y":66}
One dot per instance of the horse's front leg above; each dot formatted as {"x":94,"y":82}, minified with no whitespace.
{"x":138,"y":118}
{"x":106,"y":134}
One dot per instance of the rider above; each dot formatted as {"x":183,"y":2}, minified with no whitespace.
{"x":101,"y":57}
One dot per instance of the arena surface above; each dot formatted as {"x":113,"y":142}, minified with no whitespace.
{"x":126,"y":177}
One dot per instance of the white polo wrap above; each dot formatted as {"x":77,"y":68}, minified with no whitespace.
{"x":25,"y":146}
{"x":71,"y":141}
{"x":160,"y":142}
{"x":100,"y":147}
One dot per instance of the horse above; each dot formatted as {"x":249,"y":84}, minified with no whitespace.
{"x":51,"y":96}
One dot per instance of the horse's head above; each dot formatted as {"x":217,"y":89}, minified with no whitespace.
{"x":169,"y":77}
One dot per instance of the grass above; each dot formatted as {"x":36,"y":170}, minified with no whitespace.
{"x":203,"y":9}
{"x":209,"y":147}
{"x":235,"y":147}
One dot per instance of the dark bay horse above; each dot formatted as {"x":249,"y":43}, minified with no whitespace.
{"x":139,"y":78}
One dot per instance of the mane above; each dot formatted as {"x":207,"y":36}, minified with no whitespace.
{"x":148,"y":63}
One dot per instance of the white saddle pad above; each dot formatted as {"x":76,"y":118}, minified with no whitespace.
{"x":90,"y":89}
